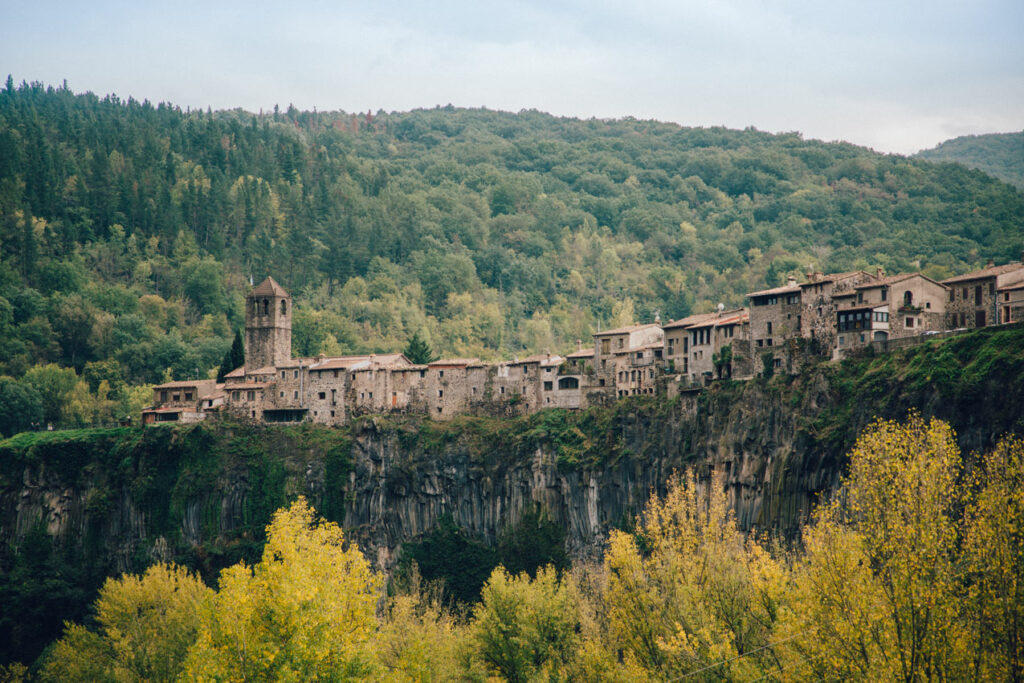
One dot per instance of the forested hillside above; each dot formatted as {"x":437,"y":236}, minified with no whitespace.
{"x":999,"y":154}
{"x":129,"y":232}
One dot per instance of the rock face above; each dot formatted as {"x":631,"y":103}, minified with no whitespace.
{"x":202,"y":494}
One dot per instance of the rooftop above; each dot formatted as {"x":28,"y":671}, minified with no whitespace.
{"x":893,"y":279}
{"x":626,"y":330}
{"x":690,"y":320}
{"x":833,"y":277}
{"x":991,"y":271}
{"x":785,"y":289}
{"x":269,"y":287}
{"x":185,"y":383}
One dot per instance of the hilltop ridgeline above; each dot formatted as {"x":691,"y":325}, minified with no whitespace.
{"x":129,"y":232}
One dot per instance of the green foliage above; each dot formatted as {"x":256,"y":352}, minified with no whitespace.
{"x":418,"y":351}
{"x":129,"y":231}
{"x":998,"y":154}
{"x":21,"y":407}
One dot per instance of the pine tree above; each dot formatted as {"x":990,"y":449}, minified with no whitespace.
{"x":418,"y":351}
{"x":234,"y":358}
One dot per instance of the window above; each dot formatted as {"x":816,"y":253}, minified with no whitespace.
{"x":991,"y":288}
{"x":188,"y":395}
{"x":266,"y":307}
{"x":777,"y":362}
{"x":282,"y":394}
{"x":175,"y":397}
{"x":474,"y":391}
{"x":759,"y":343}
{"x":371,"y":395}
{"x":547,"y":369}
{"x":440,"y":393}
{"x":885,"y":293}
{"x":284,"y":307}
{"x":322,"y":395}
{"x":548,"y":386}
{"x":768,"y":342}
{"x":525,"y":370}
{"x":619,"y":342}
{"x":332,"y":413}
{"x":860,"y":297}
{"x":163,"y":396}
{"x":769,"y":327}
{"x":252,"y":396}
{"x":296,"y":374}
{"x":234,"y":395}
{"x":908,"y":298}
{"x":909,"y":323}
{"x":977,"y":295}
{"x":568,"y":383}
{"x":952,"y":295}
{"x":502,"y":390}
{"x":296,"y":395}
{"x":282,"y":374}
{"x":650,"y":373}
{"x":335,"y":374}
{"x":423,"y":373}
{"x":606,"y":346}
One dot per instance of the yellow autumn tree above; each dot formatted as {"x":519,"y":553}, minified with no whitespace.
{"x":418,"y":639}
{"x":525,"y":629}
{"x":877,"y":594}
{"x":146,"y":625}
{"x":994,"y":564}
{"x":689,"y":594}
{"x":305,"y":612}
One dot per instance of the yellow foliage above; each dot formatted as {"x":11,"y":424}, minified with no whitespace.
{"x":700,"y":597}
{"x":146,"y":625}
{"x":304,"y":613}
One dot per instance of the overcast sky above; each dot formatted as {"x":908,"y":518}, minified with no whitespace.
{"x":895,"y":76}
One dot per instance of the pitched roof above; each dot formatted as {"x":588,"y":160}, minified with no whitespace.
{"x":453,"y":362}
{"x":269,"y":287}
{"x":834,"y":277}
{"x":991,"y":271}
{"x":785,"y":289}
{"x":542,"y":358}
{"x":185,"y":383}
{"x":582,"y":353}
{"x":726,"y":318}
{"x":625,"y":330}
{"x":893,"y":279}
{"x":690,"y":320}
{"x":237,"y":372}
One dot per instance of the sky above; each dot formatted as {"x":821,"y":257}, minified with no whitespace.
{"x":896,"y":76}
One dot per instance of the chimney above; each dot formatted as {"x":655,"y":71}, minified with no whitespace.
{"x":579,"y":344}
{"x":810,"y":275}
{"x":790,"y":280}
{"x":879,"y":273}
{"x":990,"y":263}
{"x":657,"y":318}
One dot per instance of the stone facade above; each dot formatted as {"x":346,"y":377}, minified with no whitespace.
{"x":818,"y":315}
{"x":775,"y":315}
{"x":889,"y":308}
{"x":1011,"y":304}
{"x":972,"y":300}
{"x":268,"y":326}
{"x":784,"y":328}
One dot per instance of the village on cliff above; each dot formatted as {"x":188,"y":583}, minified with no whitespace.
{"x":826,"y":316}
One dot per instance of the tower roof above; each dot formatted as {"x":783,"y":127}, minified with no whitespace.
{"x":269,"y":287}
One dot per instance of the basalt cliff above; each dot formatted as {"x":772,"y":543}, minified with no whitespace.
{"x":116,"y":500}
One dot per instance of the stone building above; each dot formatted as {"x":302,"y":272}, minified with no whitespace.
{"x":708,"y":341}
{"x":818,"y":315}
{"x":775,"y":315}
{"x":888,"y":308}
{"x":972,"y":300}
{"x":268,"y":326}
{"x":611,"y":342}
{"x":1011,"y":303}
{"x":677,"y":342}
{"x":183,"y":401}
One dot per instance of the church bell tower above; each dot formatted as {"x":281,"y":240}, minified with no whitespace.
{"x":268,"y":326}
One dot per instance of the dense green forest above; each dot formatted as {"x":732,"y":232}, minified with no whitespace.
{"x":129,"y":231}
{"x":998,"y":154}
